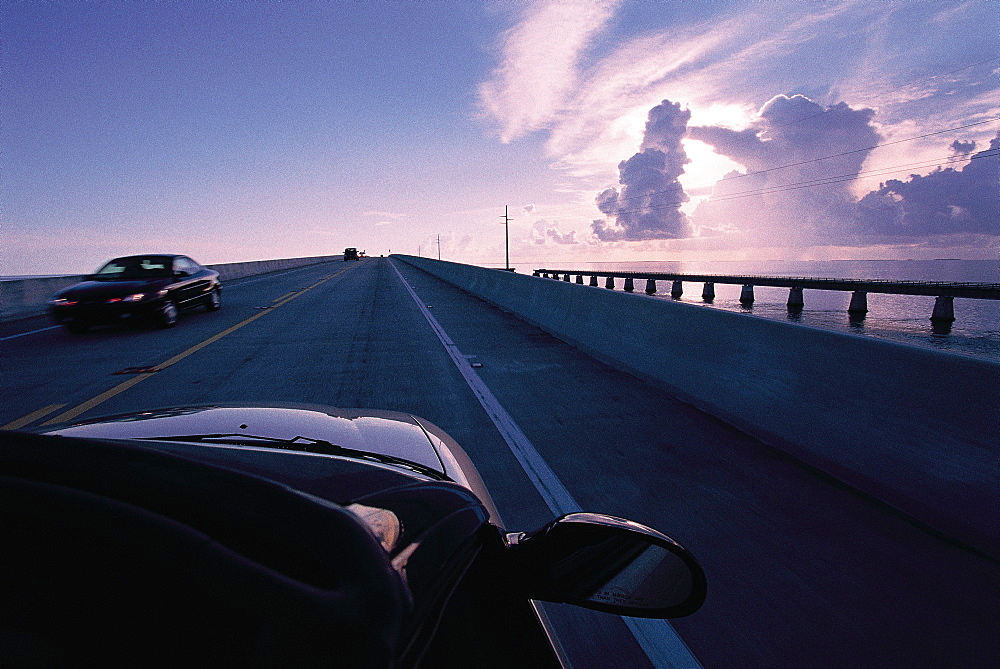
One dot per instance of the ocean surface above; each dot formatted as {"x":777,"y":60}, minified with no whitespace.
{"x":899,"y":318}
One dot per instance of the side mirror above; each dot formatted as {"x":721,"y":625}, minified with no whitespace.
{"x":608,"y":564}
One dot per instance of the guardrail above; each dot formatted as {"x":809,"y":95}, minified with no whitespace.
{"x":945,"y":292}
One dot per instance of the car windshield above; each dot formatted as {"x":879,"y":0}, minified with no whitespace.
{"x":136,"y":267}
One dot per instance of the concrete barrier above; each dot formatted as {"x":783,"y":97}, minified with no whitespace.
{"x":21,"y":298}
{"x":238,"y":270}
{"x":912,"y":427}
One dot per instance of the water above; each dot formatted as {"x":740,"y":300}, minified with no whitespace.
{"x":899,"y":318}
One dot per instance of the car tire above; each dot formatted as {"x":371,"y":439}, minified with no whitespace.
{"x":213,"y":301}
{"x":166,"y":317}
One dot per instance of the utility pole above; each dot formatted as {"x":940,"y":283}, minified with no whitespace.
{"x":506,"y":230}
{"x":439,"y":247}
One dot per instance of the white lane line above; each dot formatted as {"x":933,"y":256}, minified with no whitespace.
{"x":25,"y":334}
{"x":658,"y":640}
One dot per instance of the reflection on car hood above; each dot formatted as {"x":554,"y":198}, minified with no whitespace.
{"x":103,"y":289}
{"x":384,"y":432}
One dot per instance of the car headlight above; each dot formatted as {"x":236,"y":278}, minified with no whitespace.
{"x":62,"y":302}
{"x":128,"y":298}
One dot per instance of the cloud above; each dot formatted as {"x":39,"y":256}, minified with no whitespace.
{"x":961,"y":148}
{"x":539,"y":63}
{"x":794,"y":143}
{"x":528,"y":208}
{"x":543,"y":232}
{"x":385,"y":217}
{"x":944,"y":202}
{"x":648,"y":206}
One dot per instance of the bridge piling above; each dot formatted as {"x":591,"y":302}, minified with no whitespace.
{"x":795,"y":301}
{"x":708,"y":292}
{"x":746,"y":295}
{"x":579,"y":279}
{"x":566,"y":277}
{"x":944,"y":309}
{"x":629,"y":285}
{"x":610,"y":283}
{"x":859,"y":303}
{"x":677,"y":289}
{"x":593,"y":280}
{"x":651,"y":286}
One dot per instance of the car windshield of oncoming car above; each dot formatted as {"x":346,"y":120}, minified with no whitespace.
{"x":139,"y":267}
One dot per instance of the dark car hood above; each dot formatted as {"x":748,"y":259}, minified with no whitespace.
{"x":99,"y":290}
{"x":388,"y":433}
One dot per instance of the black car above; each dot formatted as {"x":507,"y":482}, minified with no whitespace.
{"x":153,"y":288}
{"x":294,"y":536}
{"x":351,"y":254}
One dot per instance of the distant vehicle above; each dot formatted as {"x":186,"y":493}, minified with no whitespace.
{"x":152,"y":288}
{"x":351,"y":254}
{"x":284,"y":535}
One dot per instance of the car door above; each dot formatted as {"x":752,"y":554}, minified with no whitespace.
{"x":189,"y":282}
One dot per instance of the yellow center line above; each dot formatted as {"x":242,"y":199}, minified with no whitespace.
{"x":31,"y":417}
{"x":125,"y":385}
{"x":283,"y":296}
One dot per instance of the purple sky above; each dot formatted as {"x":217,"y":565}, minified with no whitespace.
{"x":236,"y":131}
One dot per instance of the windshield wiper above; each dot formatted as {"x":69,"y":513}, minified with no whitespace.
{"x":305,"y":444}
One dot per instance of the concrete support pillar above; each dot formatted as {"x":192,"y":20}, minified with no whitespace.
{"x":535,"y":273}
{"x":566,"y":277}
{"x":677,"y":289}
{"x":651,"y":286}
{"x":629,"y":285}
{"x":746,"y":295}
{"x":795,"y":301}
{"x":579,"y":279}
{"x":944,"y":308}
{"x":859,"y":303}
{"x":708,"y":292}
{"x":610,"y":283}
{"x":593,"y":280}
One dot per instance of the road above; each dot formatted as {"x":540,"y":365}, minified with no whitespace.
{"x":801,"y":571}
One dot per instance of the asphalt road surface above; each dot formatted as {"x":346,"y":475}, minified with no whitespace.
{"x":802,"y":572}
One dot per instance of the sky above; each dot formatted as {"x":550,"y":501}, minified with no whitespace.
{"x":612,"y":130}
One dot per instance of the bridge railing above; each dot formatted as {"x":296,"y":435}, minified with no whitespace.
{"x":944,"y":291}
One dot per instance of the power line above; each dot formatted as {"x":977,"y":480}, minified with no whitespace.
{"x":816,"y":160}
{"x":819,"y":182}
{"x":869,"y":148}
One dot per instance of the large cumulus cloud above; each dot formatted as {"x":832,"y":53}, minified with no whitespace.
{"x":944,"y":202}
{"x":793,"y":143}
{"x":648,"y":205}
{"x":800,"y":159}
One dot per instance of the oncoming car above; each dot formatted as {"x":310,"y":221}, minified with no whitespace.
{"x":153,"y":288}
{"x":295,"y":535}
